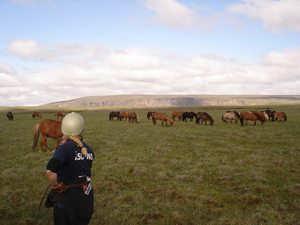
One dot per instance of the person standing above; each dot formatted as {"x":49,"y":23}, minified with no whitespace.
{"x":69,"y":172}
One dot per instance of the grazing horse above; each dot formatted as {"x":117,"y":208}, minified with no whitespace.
{"x":177,"y":114}
{"x":280,"y":115}
{"x":253,"y":117}
{"x":47,"y":128}
{"x":10,"y":116}
{"x":114,"y":114}
{"x":190,"y":115}
{"x":204,"y":117}
{"x":59,"y":114}
{"x":270,"y":114}
{"x":232,"y":115}
{"x":36,"y":114}
{"x":149,"y":114}
{"x":163,"y":117}
{"x":123,"y":115}
{"x":262,"y":114}
{"x":133,"y":116}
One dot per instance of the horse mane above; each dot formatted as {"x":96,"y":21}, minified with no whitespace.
{"x":259,"y":117}
{"x":237,"y":114}
{"x":209,"y":117}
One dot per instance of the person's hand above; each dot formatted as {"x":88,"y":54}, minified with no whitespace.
{"x":60,"y":187}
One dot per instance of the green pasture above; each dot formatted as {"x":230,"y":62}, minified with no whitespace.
{"x":146,"y":174}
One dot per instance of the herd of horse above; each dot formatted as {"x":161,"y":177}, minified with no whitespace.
{"x":52,"y":128}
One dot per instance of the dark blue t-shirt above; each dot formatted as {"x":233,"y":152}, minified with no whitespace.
{"x":72,"y":162}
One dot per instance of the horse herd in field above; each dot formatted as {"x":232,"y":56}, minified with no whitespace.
{"x":52,"y":128}
{"x":243,"y":117}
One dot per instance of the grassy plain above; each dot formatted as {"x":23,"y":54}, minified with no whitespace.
{"x":145,"y":174}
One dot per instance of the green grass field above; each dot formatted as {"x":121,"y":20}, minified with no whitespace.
{"x":146,"y":174}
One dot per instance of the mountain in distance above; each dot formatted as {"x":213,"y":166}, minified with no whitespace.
{"x":126,"y":101}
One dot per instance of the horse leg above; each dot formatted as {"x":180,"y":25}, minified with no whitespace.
{"x":43,"y":142}
{"x":254,"y":123}
{"x":246,"y":122}
{"x":57,"y":144}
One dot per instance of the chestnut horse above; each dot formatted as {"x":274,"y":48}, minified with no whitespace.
{"x":280,"y":115}
{"x":163,"y":117}
{"x":59,"y":114}
{"x":123,"y":115}
{"x":149,"y":114}
{"x":47,"y":128}
{"x":36,"y":114}
{"x":114,"y":114}
{"x":133,"y":116}
{"x":253,"y":117}
{"x":10,"y":116}
{"x":204,"y":117}
{"x":177,"y":114}
{"x":262,"y":114}
{"x":232,"y":115}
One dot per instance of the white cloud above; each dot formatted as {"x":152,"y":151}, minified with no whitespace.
{"x":177,"y":15}
{"x":97,"y":71}
{"x":276,"y":15}
{"x":30,"y":49}
{"x":7,"y":69}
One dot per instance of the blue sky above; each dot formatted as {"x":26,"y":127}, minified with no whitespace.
{"x":54,"y":50}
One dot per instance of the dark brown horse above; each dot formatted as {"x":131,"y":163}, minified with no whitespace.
{"x":177,"y":114}
{"x":133,"y":116}
{"x":149,"y":114}
{"x":190,"y":115}
{"x":280,"y":115}
{"x":47,"y":128}
{"x":114,"y":114}
{"x":270,"y":114}
{"x":253,"y":117}
{"x":10,"y":116}
{"x":36,"y":114}
{"x":59,"y":114}
{"x":204,"y":117}
{"x":163,"y":117}
{"x":123,"y":115}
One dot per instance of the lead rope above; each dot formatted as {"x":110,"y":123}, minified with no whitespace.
{"x":45,"y":192}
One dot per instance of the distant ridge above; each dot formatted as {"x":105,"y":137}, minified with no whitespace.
{"x":117,"y":101}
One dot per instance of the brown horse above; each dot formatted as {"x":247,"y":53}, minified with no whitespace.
{"x":280,"y":115}
{"x":163,"y":117}
{"x":149,"y":114}
{"x":204,"y":117}
{"x":36,"y":114}
{"x":10,"y":116}
{"x":123,"y":115}
{"x":59,"y":114}
{"x":177,"y":114}
{"x":47,"y":128}
{"x":262,"y":114}
{"x":133,"y":116}
{"x":253,"y":117}
{"x":114,"y":114}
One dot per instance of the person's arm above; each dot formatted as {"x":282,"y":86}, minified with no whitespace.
{"x":52,"y":177}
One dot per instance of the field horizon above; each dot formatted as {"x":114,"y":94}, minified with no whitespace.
{"x":153,"y":174}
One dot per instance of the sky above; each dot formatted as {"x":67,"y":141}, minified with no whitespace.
{"x":58,"y":50}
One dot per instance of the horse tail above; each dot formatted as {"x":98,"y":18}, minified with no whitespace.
{"x":285,"y":117}
{"x":36,"y":136}
{"x":137,"y":118}
{"x":241,"y":120}
{"x":223,"y":118}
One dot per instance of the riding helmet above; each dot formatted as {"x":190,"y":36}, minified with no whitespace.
{"x":72,"y":124}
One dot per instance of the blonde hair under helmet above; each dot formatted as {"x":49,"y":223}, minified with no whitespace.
{"x":72,"y":124}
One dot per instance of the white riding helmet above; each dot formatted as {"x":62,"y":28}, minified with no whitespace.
{"x":72,"y":124}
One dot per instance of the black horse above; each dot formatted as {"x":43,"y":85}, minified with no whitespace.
{"x":270,"y":114}
{"x":114,"y":114}
{"x":10,"y":116}
{"x":190,"y":115}
{"x":149,"y":114}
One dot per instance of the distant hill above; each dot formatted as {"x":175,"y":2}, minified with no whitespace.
{"x":117,"y":101}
